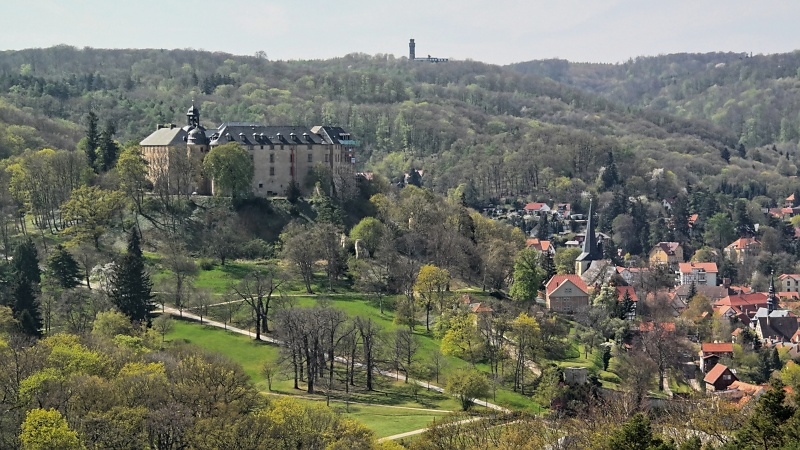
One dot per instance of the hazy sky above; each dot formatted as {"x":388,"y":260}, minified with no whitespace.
{"x":495,"y":31}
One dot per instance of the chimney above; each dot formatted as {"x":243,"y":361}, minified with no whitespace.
{"x":159,"y":126}
{"x":726,"y":283}
{"x":171,"y":126}
{"x":411,"y":50}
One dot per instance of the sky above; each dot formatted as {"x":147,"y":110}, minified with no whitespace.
{"x":492,"y":31}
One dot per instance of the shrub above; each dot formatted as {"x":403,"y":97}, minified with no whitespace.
{"x":205,"y":263}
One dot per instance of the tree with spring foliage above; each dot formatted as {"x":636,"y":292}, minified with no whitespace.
{"x":431,"y":284}
{"x":130,"y":283}
{"x":231,"y":169}
{"x":528,"y":276}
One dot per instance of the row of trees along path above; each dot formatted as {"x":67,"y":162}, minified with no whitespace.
{"x":191,"y":316}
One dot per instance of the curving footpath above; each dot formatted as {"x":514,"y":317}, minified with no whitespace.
{"x":194,"y":317}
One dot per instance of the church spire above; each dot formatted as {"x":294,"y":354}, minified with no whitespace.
{"x":590,"y":250}
{"x":772,"y":299}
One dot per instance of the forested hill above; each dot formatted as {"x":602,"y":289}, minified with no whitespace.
{"x":495,"y":128}
{"x":757,"y":98}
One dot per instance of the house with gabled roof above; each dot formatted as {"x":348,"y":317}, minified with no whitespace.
{"x":537,"y":208}
{"x":790,"y":282}
{"x":566,"y":293}
{"x":719,"y":378}
{"x":541,"y":245}
{"x":711,"y":352}
{"x":669,"y":253}
{"x":700,"y":273}
{"x":743,"y":249}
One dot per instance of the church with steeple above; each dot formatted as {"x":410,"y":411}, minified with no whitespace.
{"x":773,"y":324}
{"x":591,"y":250}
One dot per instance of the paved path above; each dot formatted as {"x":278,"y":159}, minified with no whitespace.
{"x":387,"y":373}
{"x":422,"y":430}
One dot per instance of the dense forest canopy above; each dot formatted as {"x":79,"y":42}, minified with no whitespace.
{"x":509,"y":132}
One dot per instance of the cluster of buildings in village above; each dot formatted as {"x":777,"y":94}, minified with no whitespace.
{"x":758,"y":312}
{"x":282,"y":156}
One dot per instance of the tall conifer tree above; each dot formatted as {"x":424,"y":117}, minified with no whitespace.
{"x":63,"y":268}
{"x":26,"y":275}
{"x":131,"y":285}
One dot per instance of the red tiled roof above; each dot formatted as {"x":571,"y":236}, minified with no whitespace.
{"x":692,"y":219}
{"x":713,"y":375}
{"x":621,"y":290}
{"x":650,"y":326}
{"x":558,"y":280}
{"x":789,"y":275}
{"x":756,"y":299}
{"x":788,"y":295}
{"x":534,"y":206}
{"x":540,"y":245}
{"x":709,"y":267}
{"x":743,"y":243}
{"x":717,"y":347}
{"x":790,"y":198}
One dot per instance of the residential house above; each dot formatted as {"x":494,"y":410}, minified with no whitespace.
{"x":540,"y":245}
{"x":790,"y":282}
{"x":719,"y":378}
{"x":564,"y":210}
{"x":743,"y":250}
{"x":778,"y":327}
{"x":566,"y":293}
{"x":742,"y":306}
{"x":632,"y":275}
{"x":699,"y":273}
{"x":711,"y":352}
{"x":714,"y":293}
{"x":536,"y":208}
{"x":669,"y":253}
{"x":789,"y":202}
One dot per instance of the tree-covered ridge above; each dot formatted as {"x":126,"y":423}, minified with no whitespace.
{"x":509,"y":132}
{"x":754,"y":97}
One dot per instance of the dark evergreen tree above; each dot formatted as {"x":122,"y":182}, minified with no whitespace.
{"x":26,"y":307}
{"x":543,"y":229}
{"x":92,"y":138}
{"x":414,"y":178}
{"x":744,"y":224}
{"x":63,"y":268}
{"x":680,"y":219}
{"x":742,"y":151}
{"x":25,"y":263}
{"x":610,"y":175}
{"x":327,"y":210}
{"x":131,"y":285}
{"x":548,"y":266}
{"x":725,"y":154}
{"x":626,"y":306}
{"x":692,"y":291}
{"x":108,"y":150}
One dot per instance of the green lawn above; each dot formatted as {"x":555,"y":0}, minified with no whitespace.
{"x":388,"y":421}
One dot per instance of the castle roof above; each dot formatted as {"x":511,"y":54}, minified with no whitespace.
{"x":165,"y":137}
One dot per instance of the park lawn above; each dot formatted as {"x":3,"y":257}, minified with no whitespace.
{"x":220,"y":278}
{"x":384,"y":421}
{"x":251,"y":355}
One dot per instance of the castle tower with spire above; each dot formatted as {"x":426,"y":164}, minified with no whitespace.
{"x":591,"y":252}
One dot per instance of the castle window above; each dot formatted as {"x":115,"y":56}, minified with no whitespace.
{"x":309,"y":146}
{"x":272,"y":146}
{"x":272,"y":171}
{"x":272,"y":157}
{"x":260,"y":185}
{"x":262,"y":147}
{"x":310,"y":157}
{"x":326,"y":157}
{"x":251,"y":158}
